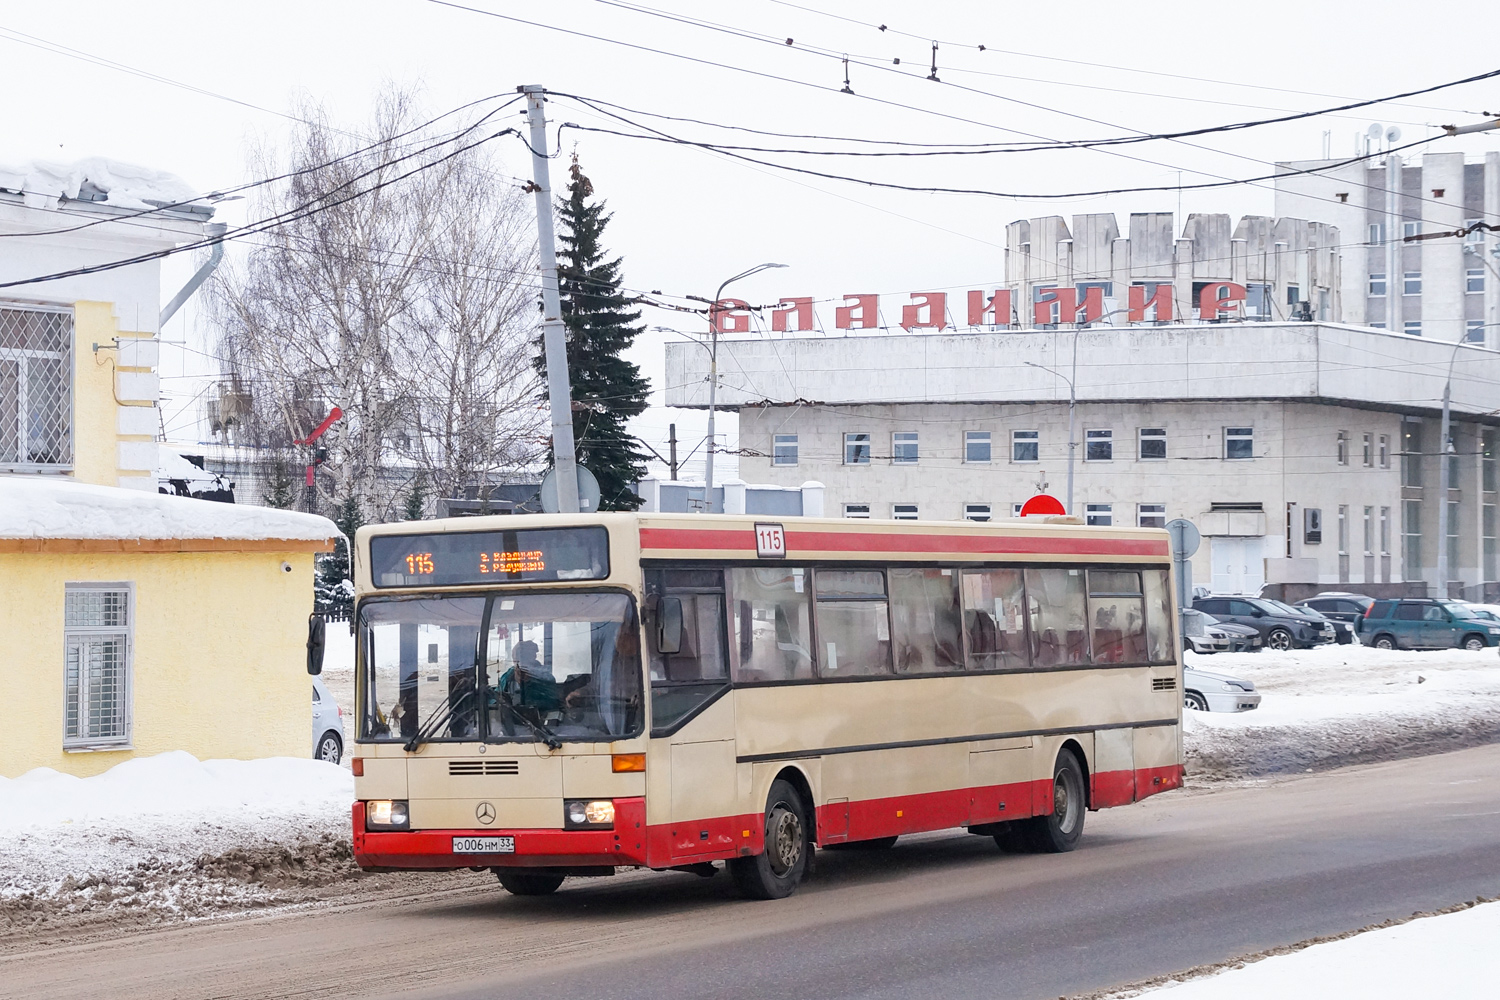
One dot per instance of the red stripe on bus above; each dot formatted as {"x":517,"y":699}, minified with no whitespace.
{"x":719,"y":539}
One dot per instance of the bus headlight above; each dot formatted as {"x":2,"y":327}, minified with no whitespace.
{"x":386,"y":814}
{"x":584,"y":814}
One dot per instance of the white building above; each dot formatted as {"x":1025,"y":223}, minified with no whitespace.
{"x":1444,"y":288}
{"x":1305,"y":452}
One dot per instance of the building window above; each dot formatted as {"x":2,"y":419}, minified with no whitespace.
{"x":1341,"y":449}
{"x":1377,"y":326}
{"x":1312,"y":525}
{"x":1343,"y":529}
{"x":1025,"y":446}
{"x":1453,"y":524}
{"x":1385,"y":451}
{"x":1368,"y":452}
{"x":1369,"y":532}
{"x":1258,"y":299}
{"x":1412,"y":328}
{"x":1474,"y":331}
{"x":1153,"y":444}
{"x":904,"y":448}
{"x":1487,"y":462}
{"x":1385,"y":531}
{"x":856,"y":449}
{"x":1015,"y":509}
{"x":1293,"y":295}
{"x":1239,"y":442}
{"x":1100,"y":514}
{"x":976,"y":446}
{"x":784,"y":449}
{"x":1377,"y":233}
{"x":857,"y":510}
{"x":1410,"y":229}
{"x":976,"y":512}
{"x":1488,"y":548}
{"x":1411,"y":539}
{"x":1474,"y":279}
{"x":97,"y":626}
{"x":36,"y":398}
{"x":1151,"y":515}
{"x":1411,"y":283}
{"x":1474,"y":236}
{"x":1411,"y":453}
{"x":904,"y":511}
{"x":1377,"y":284}
{"x":1099,"y":446}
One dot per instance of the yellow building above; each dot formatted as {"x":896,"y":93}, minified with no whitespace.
{"x":133,"y":623}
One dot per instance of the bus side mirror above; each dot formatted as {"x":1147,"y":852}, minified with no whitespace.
{"x":315,"y":629}
{"x":669,"y":625}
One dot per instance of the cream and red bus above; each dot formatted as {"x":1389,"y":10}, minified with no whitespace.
{"x":564,"y":695}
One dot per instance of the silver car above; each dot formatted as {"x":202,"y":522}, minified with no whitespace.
{"x":327,"y":724}
{"x":1210,"y":692}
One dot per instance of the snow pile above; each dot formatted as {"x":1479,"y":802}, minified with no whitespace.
{"x":124,"y":185}
{"x":168,"y":836}
{"x":1337,"y":705}
{"x":50,"y":508}
{"x":1449,"y":955}
{"x":171,"y":465}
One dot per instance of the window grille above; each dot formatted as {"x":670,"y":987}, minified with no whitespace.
{"x":96,"y":667}
{"x":36,"y":388}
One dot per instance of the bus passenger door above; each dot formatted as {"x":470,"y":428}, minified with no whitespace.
{"x":692,"y":719}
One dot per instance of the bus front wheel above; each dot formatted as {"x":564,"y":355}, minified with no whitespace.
{"x":774,"y":873}
{"x":1060,"y":831}
{"x":524,"y":883}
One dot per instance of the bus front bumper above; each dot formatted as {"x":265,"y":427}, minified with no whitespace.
{"x":398,"y":850}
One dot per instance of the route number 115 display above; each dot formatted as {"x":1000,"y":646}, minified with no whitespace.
{"x":770,"y":541}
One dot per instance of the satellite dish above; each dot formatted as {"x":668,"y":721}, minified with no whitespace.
{"x":1393,"y":135}
{"x":588,"y":492}
{"x":1374,"y":131}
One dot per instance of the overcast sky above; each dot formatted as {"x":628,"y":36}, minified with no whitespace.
{"x":684,"y":218}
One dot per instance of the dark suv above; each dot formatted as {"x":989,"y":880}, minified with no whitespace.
{"x":1346,"y":609}
{"x":1426,"y":624}
{"x":1279,"y":628}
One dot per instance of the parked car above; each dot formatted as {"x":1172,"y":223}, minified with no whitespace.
{"x":327,"y":724}
{"x":1489,"y":612}
{"x":1343,"y":632}
{"x":1279,"y":626}
{"x":1338,"y":606}
{"x":1210,"y":692}
{"x":1427,"y":624}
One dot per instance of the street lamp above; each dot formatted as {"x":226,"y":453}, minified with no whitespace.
{"x":713,"y":373}
{"x":1443,"y":479}
{"x":1072,"y":406}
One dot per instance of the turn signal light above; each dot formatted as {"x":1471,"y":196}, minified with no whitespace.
{"x":627,"y":762}
{"x":357,"y":765}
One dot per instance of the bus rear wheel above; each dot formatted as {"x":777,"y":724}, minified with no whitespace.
{"x":523,"y":883}
{"x":774,"y":873}
{"x":1060,"y":831}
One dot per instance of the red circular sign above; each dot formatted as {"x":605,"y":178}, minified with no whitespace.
{"x":1042,"y":503}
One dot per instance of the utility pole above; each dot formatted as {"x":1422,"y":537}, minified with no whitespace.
{"x":1444,"y":480}
{"x":554,"y":342}
{"x":1394,"y":280}
{"x":672,"y":450}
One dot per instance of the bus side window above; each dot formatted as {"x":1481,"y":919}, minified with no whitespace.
{"x":994,"y":617}
{"x":925,"y":620}
{"x":1117,"y":616}
{"x":686,"y":678}
{"x":1059,"y":626}
{"x":854,"y":630}
{"x":773,"y":623}
{"x":1159,"y":616}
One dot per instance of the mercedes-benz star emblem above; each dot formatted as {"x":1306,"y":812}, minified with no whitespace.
{"x":485,"y":813}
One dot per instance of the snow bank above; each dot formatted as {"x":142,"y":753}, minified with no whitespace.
{"x":53,"y":508}
{"x":124,"y":185}
{"x":171,"y":465}
{"x":1450,"y":955}
{"x":168,"y":836}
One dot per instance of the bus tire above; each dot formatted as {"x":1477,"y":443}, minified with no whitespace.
{"x":524,"y":883}
{"x":1012,"y":839}
{"x":775,"y":872}
{"x":1060,"y":831}
{"x":878,"y":844}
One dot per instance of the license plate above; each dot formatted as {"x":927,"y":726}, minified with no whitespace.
{"x":484,"y":845}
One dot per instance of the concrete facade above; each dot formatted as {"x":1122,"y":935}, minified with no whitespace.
{"x":1312,"y":396}
{"x":1456,"y":292}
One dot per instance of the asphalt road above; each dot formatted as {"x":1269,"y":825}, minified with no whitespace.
{"x":1184,"y":879}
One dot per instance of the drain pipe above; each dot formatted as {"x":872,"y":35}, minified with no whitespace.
{"x":215,"y":232}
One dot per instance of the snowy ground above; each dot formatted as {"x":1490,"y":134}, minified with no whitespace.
{"x":170,"y":838}
{"x":1340,"y":705}
{"x":1451,"y":954}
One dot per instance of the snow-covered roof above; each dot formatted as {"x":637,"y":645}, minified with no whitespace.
{"x":104,"y":182}
{"x":36,"y":509}
{"x":170,"y":464}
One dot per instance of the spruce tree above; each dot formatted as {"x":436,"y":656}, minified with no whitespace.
{"x":601,"y":322}
{"x":333,"y":588}
{"x":281,"y":489}
{"x":415,"y":506}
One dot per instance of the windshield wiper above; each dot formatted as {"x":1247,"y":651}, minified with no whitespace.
{"x":435,"y":721}
{"x":538,"y":728}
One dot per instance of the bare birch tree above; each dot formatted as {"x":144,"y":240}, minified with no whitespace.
{"x":407,"y":302}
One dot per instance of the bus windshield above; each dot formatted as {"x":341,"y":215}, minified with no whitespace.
{"x":504,"y":667}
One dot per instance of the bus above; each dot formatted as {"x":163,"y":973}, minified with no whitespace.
{"x":554,"y":696}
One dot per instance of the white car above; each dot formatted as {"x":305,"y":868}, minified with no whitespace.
{"x":327,"y":724}
{"x":1210,"y":692}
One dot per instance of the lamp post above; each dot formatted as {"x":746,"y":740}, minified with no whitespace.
{"x":1443,"y":478}
{"x":713,"y":375}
